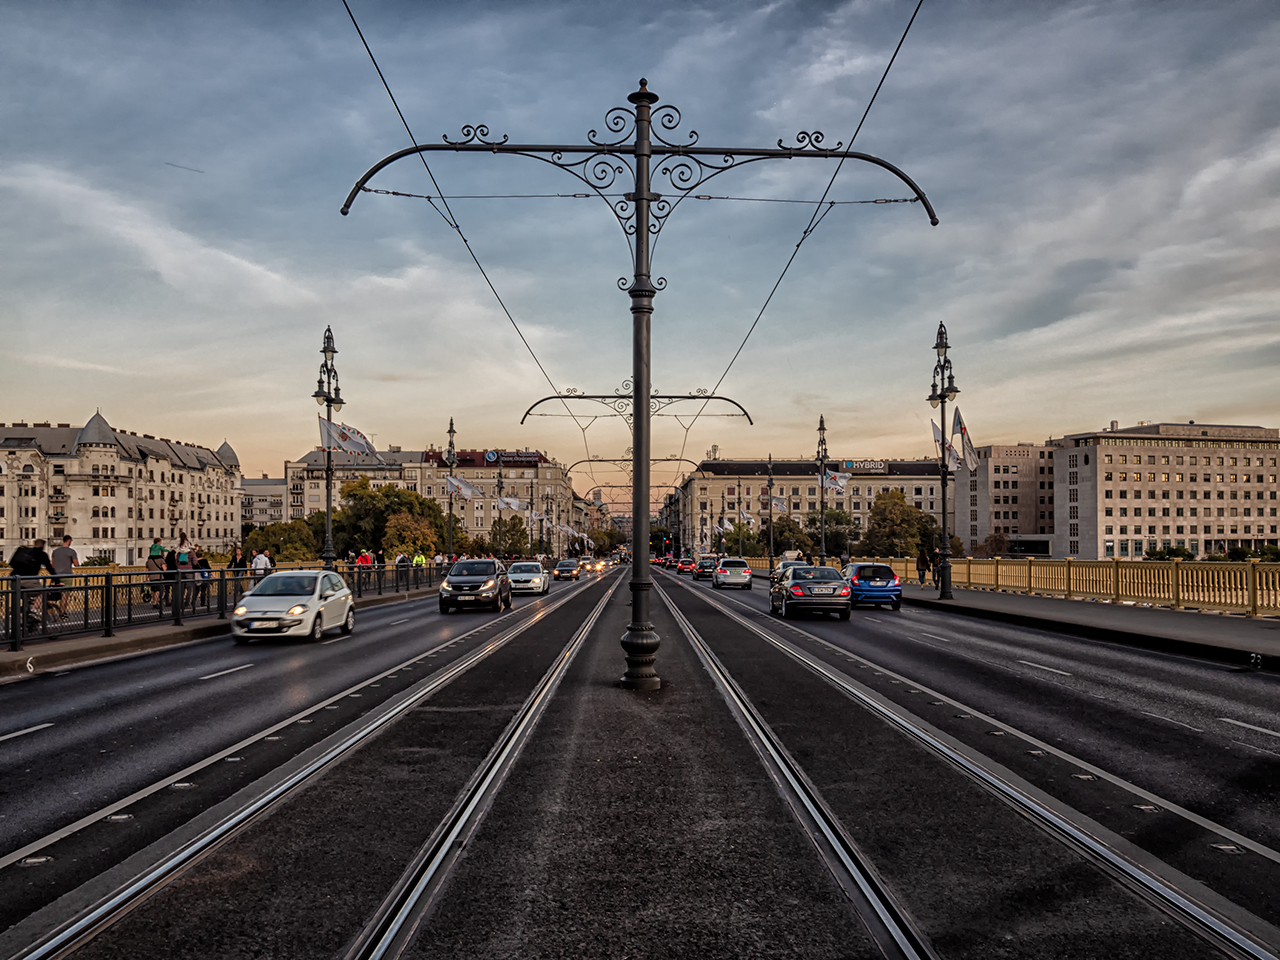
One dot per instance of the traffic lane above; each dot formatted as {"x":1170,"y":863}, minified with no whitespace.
{"x":1233,"y":789}
{"x":116,"y":728}
{"x":1148,"y":717}
{"x":979,"y":877}
{"x":304,"y":880}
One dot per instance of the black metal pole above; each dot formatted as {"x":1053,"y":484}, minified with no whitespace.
{"x":640,"y":643}
{"x":770,"y":494}
{"x":944,"y":572}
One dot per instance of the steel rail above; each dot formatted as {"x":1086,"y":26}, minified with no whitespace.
{"x":1181,"y":905}
{"x":888,"y":923}
{"x":392,"y":928}
{"x":79,"y":930}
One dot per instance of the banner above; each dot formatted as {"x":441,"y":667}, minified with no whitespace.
{"x":510,"y":503}
{"x":966,"y":444}
{"x":780,"y":503}
{"x":836,"y":481}
{"x":953,"y":462}
{"x":746,"y":516}
{"x":341,"y":438}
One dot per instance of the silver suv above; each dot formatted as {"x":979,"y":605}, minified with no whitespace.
{"x":732,"y":572}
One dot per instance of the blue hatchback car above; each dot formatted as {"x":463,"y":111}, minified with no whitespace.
{"x":873,"y":583}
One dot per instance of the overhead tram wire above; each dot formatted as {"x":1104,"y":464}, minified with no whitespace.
{"x":821,"y":209}
{"x":448,"y":217}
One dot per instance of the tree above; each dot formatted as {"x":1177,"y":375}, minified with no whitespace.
{"x":996,"y":545}
{"x":292,"y":542}
{"x":839,"y":528}
{"x":894,"y":527}
{"x":461,"y":542}
{"x":750,"y":540}
{"x":659,"y":541}
{"x":787,"y":534}
{"x":606,"y":539}
{"x":509,"y":536}
{"x":361,"y":521}
{"x":408,"y":534}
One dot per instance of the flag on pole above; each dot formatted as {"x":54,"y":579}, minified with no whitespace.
{"x":341,"y":438}
{"x":836,"y":481}
{"x":966,"y":443}
{"x":780,"y":503}
{"x":953,"y":462}
{"x":460,"y":487}
{"x":510,"y":503}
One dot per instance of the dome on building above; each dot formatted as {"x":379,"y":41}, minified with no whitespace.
{"x":227,"y":455}
{"x":97,"y":431}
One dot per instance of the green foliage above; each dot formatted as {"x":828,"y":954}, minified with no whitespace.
{"x":509,"y":536}
{"x":361,"y":521}
{"x":289,"y":542}
{"x":1237,"y":554}
{"x":660,"y":541}
{"x":841,"y":534}
{"x":750,"y":541}
{"x":408,"y":534}
{"x":606,"y":540}
{"x":96,"y":562}
{"x":894,"y":529}
{"x":787,"y":534}
{"x":1269,"y":553}
{"x":1173,"y":553}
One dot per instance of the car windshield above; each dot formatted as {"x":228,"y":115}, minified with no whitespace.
{"x":874,"y":572}
{"x":814,"y":573}
{"x":565,"y":565}
{"x":526,"y":568}
{"x":733,"y":564}
{"x":286,"y":585}
{"x":473,"y":568}
{"x":706,"y":564}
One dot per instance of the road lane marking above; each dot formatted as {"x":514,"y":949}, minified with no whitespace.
{"x":872,"y":619}
{"x":1041,"y":666}
{"x":935,"y":637}
{"x":325,"y":643}
{"x":1238,"y":723}
{"x":223,"y":673}
{"x":396,"y":623}
{"x":1171,"y":720}
{"x":19,"y":733}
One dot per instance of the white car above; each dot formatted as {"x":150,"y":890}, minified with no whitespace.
{"x":732,"y":572}
{"x":529,"y":577}
{"x":296,"y":603}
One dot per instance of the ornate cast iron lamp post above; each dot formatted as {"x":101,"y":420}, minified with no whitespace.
{"x":329,"y":395}
{"x":451,"y":460}
{"x":641,"y":214}
{"x":821,"y":460}
{"x":769,"y":487}
{"x":943,"y":376}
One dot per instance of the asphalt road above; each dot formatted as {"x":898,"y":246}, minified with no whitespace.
{"x":1196,"y":734}
{"x":72,"y":744}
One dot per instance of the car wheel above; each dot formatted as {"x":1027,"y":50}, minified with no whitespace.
{"x":349,"y":623}
{"x":748,"y":586}
{"x":897,"y":605}
{"x":444,"y":608}
{"x":715,"y":584}
{"x":786,"y":614}
{"x":844,"y":614}
{"x":241,"y":640}
{"x":317,"y":628}
{"x":508,"y":604}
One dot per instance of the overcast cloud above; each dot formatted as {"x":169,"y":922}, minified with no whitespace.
{"x":1107,"y":178}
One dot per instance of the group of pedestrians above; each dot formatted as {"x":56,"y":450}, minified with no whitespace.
{"x":28,"y":562}
{"x":928,"y":562}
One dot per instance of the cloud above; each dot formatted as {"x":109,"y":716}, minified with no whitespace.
{"x":68,"y":363}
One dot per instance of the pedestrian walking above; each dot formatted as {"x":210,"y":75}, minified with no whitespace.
{"x":27,"y":562}
{"x":203,"y":572}
{"x":935,"y":560}
{"x":65,"y":560}
{"x":922,"y":565}
{"x":151,"y":593}
{"x":261,"y":565}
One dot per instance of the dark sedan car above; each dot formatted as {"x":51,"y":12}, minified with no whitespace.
{"x":817,"y":589}
{"x":873,"y":583}
{"x":475,"y":583}
{"x":704,"y":570}
{"x":566,"y":570}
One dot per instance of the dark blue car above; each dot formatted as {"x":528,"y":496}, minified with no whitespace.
{"x":873,"y":583}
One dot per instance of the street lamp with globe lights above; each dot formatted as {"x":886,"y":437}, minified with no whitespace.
{"x":329,"y":395}
{"x":943,"y":375}
{"x":451,"y":460}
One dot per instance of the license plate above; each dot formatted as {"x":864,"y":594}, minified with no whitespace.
{"x":823,"y":590}
{"x":879,"y":583}
{"x":263,"y":624}
{"x":466,"y":598}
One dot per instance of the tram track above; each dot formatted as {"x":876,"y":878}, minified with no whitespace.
{"x":1220,"y":923}
{"x":240,"y":812}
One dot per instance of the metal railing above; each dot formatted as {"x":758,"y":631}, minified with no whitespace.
{"x":47,"y":608}
{"x":1250,"y":587}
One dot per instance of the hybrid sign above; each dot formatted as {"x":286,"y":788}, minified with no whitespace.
{"x":867,"y":466}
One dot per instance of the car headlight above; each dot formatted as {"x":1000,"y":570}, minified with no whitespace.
{"x":537,"y":579}
{"x":487,"y":585}
{"x":241,"y":610}
{"x":445,"y":588}
{"x":297,"y":610}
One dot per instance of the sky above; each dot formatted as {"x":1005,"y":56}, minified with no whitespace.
{"x":1106,"y":176}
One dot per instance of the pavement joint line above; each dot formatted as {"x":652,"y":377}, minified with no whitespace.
{"x":1210,"y":924}
{"x":1171,"y":720}
{"x":1241,"y":723}
{"x":300,"y":717}
{"x":223,"y":673}
{"x":1041,"y":666}
{"x":1203,"y":822}
{"x":20,"y":733}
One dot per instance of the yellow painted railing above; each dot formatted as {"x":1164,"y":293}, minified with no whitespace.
{"x":1251,"y":587}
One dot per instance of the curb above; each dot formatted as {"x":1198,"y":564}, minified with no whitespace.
{"x":85,"y":651}
{"x":1201,"y":651}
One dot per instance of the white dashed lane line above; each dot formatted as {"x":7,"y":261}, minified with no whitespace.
{"x":872,"y":619}
{"x":19,"y":733}
{"x":325,"y":643}
{"x":1249,"y":726}
{"x":396,"y":623}
{"x":1041,"y":666}
{"x":223,"y":673}
{"x":935,"y":637}
{"x":1171,"y":720}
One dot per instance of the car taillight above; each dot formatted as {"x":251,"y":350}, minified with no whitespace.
{"x":844,"y":592}
{"x":853,"y":581}
{"x":896,"y":581}
{"x":796,"y":591}
{"x":722,"y":570}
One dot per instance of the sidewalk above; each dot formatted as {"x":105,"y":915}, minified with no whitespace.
{"x":47,"y":656}
{"x":1233,"y":639}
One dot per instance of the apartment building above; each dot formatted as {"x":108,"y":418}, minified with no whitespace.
{"x":114,"y":491}
{"x":1009,"y":490}
{"x":263,"y":500}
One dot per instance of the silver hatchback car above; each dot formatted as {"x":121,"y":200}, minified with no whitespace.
{"x":732,"y":572}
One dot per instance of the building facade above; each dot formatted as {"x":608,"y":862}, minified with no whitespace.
{"x":263,"y":500}
{"x":739,"y":487}
{"x":1009,"y":490}
{"x":541,"y":484}
{"x":114,"y":491}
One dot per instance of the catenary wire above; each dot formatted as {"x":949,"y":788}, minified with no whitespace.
{"x":449,"y":218}
{"x":585,"y":196}
{"x":822,"y":208}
